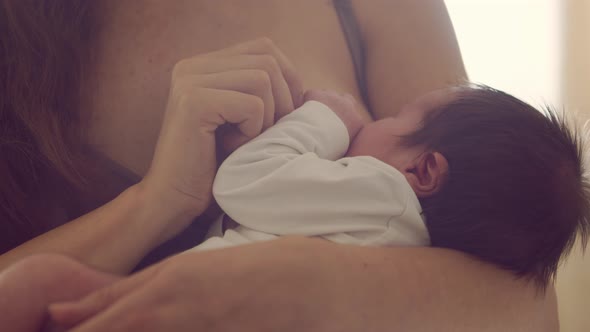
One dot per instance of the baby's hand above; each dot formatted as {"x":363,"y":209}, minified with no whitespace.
{"x":343,"y":105}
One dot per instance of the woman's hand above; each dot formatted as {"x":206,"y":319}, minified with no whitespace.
{"x":244,"y":88}
{"x":30,"y":285}
{"x":222,"y":290}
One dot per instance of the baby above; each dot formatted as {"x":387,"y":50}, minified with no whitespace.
{"x":469,"y":168}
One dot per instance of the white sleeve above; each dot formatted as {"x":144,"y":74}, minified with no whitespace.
{"x":289,"y":180}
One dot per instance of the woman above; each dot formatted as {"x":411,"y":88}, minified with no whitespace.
{"x":88,"y":86}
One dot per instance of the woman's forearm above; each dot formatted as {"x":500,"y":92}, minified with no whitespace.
{"x":316,"y":286}
{"x":414,"y":289}
{"x":112,"y":238}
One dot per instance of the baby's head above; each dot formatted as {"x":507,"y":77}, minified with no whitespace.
{"x":496,"y":178}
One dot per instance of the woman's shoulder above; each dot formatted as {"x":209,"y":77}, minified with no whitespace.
{"x":410,"y":48}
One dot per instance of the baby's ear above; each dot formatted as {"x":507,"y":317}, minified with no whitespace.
{"x":428,"y":174}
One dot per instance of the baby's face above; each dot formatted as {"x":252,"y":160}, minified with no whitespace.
{"x":381,"y":139}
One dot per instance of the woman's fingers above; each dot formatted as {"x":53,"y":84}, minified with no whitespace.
{"x":118,"y":317}
{"x":210,"y":64}
{"x":267,"y":46}
{"x":286,"y":86}
{"x":240,"y":116}
{"x":257,"y":68}
{"x":248,"y":81}
{"x":68,"y":314}
{"x":28,"y":286}
{"x":243,"y":110}
{"x":242,"y":98}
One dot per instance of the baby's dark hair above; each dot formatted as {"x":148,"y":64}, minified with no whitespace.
{"x":516,"y":195}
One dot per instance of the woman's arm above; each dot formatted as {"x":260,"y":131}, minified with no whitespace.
{"x":419,"y":289}
{"x":427,"y":289}
{"x":343,"y":288}
{"x":112,"y":238}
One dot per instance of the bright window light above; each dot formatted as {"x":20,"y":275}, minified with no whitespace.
{"x":512,"y":45}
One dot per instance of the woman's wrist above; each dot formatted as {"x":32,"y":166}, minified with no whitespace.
{"x":169,"y":215}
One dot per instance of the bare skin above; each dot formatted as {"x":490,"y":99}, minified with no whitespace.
{"x":140,"y":44}
{"x":410,"y":50}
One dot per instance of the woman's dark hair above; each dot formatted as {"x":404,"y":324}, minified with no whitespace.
{"x":516,"y":195}
{"x":44,"y":49}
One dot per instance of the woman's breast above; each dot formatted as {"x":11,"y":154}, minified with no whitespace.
{"x":140,"y":41}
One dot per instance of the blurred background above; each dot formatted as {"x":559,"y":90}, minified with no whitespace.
{"x":539,"y":51}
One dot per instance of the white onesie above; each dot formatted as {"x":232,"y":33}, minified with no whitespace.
{"x":291,"y":179}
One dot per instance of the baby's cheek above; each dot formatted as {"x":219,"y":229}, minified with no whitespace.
{"x":361,"y":144}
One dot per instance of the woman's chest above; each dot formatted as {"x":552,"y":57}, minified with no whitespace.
{"x":140,"y":42}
